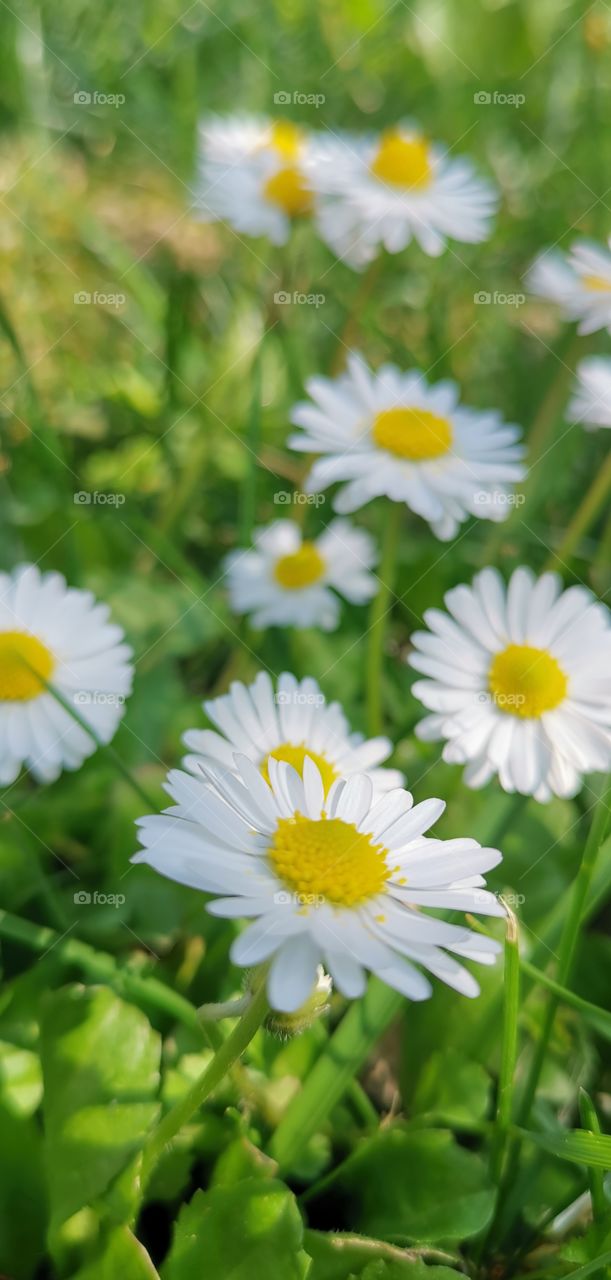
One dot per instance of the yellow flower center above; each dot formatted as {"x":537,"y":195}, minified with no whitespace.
{"x":296,"y":755}
{"x":25,"y":664}
{"x":598,"y":284}
{"x":525,"y":681}
{"x":412,"y":433}
{"x":327,"y":859}
{"x":301,"y":568}
{"x":286,"y":139}
{"x":402,"y":162}
{"x":287,"y":188}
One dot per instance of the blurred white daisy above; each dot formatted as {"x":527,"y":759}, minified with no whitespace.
{"x":389,"y":433}
{"x":252,"y":175}
{"x":519,"y":682}
{"x":580,"y":283}
{"x":342,"y":879}
{"x":288,"y":723}
{"x":53,"y":635}
{"x":287,"y":580}
{"x":591,"y":403}
{"x":380,"y":191}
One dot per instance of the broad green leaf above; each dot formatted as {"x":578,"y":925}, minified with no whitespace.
{"x":452,"y":1088}
{"x":121,"y":1256}
{"x":20,"y":1079}
{"x":413,"y":1185}
{"x":22,"y":1196}
{"x":100,"y":1060}
{"x":251,"y":1230}
{"x":344,"y":1257}
{"x":577,"y":1145}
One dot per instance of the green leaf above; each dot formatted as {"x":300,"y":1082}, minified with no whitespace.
{"x":577,"y":1145}
{"x":20,"y":1079}
{"x":22,"y":1196}
{"x":120,"y":1255}
{"x":414,"y":1185}
{"x":344,"y":1257}
{"x":453,"y":1088}
{"x":100,"y":1060}
{"x":251,"y":1230}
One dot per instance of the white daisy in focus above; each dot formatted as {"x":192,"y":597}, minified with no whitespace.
{"x":287,"y":580}
{"x":342,"y":879}
{"x":591,"y":403}
{"x":391,"y":434}
{"x":580,"y":283}
{"x":381,"y":191}
{"x":519,"y":682}
{"x":252,"y":175}
{"x":54,"y":635}
{"x":289,"y":723}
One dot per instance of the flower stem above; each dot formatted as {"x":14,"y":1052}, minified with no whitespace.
{"x":380,"y":611}
{"x":509,"y":1047}
{"x":228,"y":1054}
{"x":585,"y":515}
{"x":249,"y":490}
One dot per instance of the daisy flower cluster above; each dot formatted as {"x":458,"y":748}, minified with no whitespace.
{"x":364,"y":193}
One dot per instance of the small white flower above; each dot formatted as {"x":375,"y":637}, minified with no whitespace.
{"x":389,"y":433}
{"x":380,"y":191}
{"x":579,"y":283}
{"x":289,"y":581}
{"x":289,"y":724}
{"x":591,"y":403}
{"x":53,"y":635}
{"x":252,"y":175}
{"x":341,"y":879}
{"x":519,"y":682}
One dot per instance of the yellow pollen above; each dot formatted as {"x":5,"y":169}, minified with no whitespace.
{"x":402,"y":162}
{"x":286,"y":139}
{"x":301,"y":568}
{"x":296,"y":755}
{"x":598,"y":284}
{"x":327,"y":860}
{"x":412,"y":433}
{"x":25,"y":664}
{"x":287,"y":189}
{"x":526,"y":682}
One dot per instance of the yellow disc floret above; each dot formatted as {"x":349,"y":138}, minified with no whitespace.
{"x":402,"y":162}
{"x":415,"y":434}
{"x":526,"y":682}
{"x":598,"y":284}
{"x":296,"y":755}
{"x":286,"y":139}
{"x":327,"y":860}
{"x":25,"y":665}
{"x":288,"y":189}
{"x":301,"y":568}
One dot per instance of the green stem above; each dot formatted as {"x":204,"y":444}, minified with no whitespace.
{"x":585,"y":515}
{"x":224,"y":1059}
{"x":590,"y":1122}
{"x":511,"y":1007}
{"x":380,"y":611}
{"x":249,"y":490}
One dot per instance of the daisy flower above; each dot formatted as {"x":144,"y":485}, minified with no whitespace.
{"x":343,"y":880}
{"x":252,"y":175}
{"x":53,"y":635}
{"x":390,"y":433}
{"x":287,"y":580}
{"x":580,"y":283}
{"x":380,"y":191}
{"x":518,"y":681}
{"x":591,"y":403}
{"x":289,"y":723}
